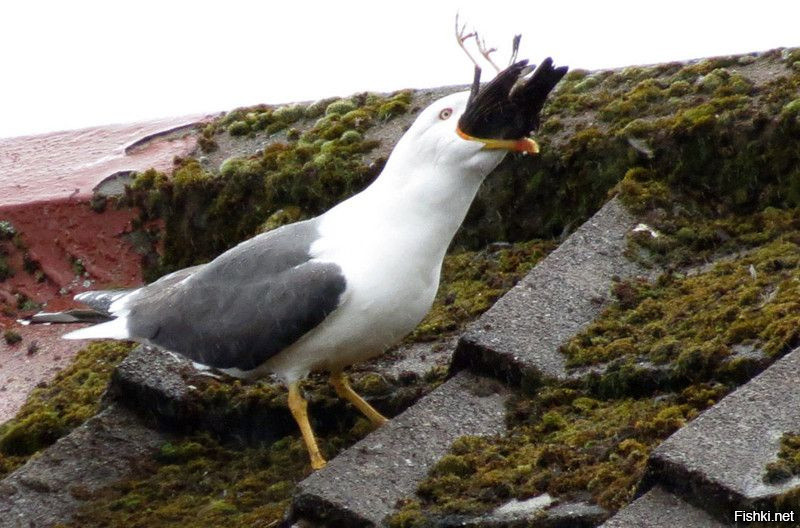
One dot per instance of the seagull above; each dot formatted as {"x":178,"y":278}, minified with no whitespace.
{"x":341,"y":288}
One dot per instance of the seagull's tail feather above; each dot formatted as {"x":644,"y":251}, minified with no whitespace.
{"x":70,"y":316}
{"x":101,"y":300}
{"x":114,"y":329}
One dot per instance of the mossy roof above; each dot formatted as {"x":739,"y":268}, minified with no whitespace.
{"x":704,"y":152}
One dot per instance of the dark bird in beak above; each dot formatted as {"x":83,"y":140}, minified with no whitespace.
{"x":504,"y":112}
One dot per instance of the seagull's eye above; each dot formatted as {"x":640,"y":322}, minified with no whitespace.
{"x":446,"y":113}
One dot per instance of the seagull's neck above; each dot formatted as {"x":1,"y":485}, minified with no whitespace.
{"x":433,"y":209}
{"x":410,"y":213}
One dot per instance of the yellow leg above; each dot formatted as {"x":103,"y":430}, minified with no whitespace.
{"x":299,"y":408}
{"x":343,"y":389}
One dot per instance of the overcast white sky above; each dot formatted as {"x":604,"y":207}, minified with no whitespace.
{"x":79,"y":63}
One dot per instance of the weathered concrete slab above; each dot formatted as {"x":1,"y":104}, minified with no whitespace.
{"x":660,"y":509}
{"x":413,"y":359}
{"x":537,"y":511}
{"x":163,"y":389}
{"x":167,"y":390}
{"x":721,"y":456}
{"x":47,"y":489}
{"x":154,"y":381}
{"x":361,"y":486}
{"x":521,"y":334}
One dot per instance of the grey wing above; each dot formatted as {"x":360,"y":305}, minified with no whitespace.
{"x":101,"y":300}
{"x":245,"y":306}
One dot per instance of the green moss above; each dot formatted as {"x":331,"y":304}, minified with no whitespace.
{"x":30,"y":265}
{"x":7,"y":233}
{"x":552,"y":125}
{"x":199,"y":481}
{"x":472,"y":281}
{"x":274,"y":128}
{"x":180,"y":453}
{"x":791,"y":108}
{"x":26,"y":304}
{"x":239,"y":128}
{"x":288,"y":114}
{"x":395,"y":105}
{"x":568,"y":447}
{"x":262,"y":120}
{"x":693,"y":322}
{"x":206,"y":140}
{"x":706,"y":157}
{"x":699,"y":127}
{"x":317,"y":108}
{"x":715,"y":183}
{"x":679,"y":88}
{"x":392,"y":108}
{"x":189,"y":173}
{"x":704,"y":126}
{"x":281,"y":217}
{"x":11,"y":337}
{"x":77,"y":266}
{"x":98,"y":203}
{"x":788,"y":463}
{"x":409,"y":515}
{"x":371,"y":384}
{"x":358,"y":120}
{"x":340,"y":107}
{"x":52,"y":411}
{"x":204,"y":213}
{"x":232,"y":475}
{"x":791,"y":56}
{"x":350,"y":137}
{"x":5,"y":268}
{"x":587,"y":83}
{"x":7,"y":230}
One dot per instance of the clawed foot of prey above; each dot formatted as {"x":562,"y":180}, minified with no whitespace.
{"x":462,"y":36}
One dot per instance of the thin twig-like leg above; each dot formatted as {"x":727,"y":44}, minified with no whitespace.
{"x":486,"y":52}
{"x":514,"y":49}
{"x":462,"y":36}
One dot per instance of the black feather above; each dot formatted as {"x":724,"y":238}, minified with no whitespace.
{"x":508,"y":107}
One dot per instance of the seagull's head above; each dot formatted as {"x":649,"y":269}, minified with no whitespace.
{"x":472,"y":131}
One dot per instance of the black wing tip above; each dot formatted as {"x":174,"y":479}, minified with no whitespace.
{"x":515,"y":91}
{"x":476,"y":85}
{"x":547,"y":72}
{"x":539,"y":85}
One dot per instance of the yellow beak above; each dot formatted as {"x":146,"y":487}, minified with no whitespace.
{"x":526,"y":145}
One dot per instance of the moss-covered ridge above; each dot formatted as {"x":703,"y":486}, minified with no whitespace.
{"x":199,"y":482}
{"x":720,"y":128}
{"x":667,"y":351}
{"x":233,"y":434}
{"x":710,"y":164}
{"x":53,"y":410}
{"x":694,"y":322}
{"x":659,"y":354}
{"x":561,"y":441}
{"x":788,"y":463}
{"x":298,"y":173}
{"x":472,"y":281}
{"x":585,"y":153}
